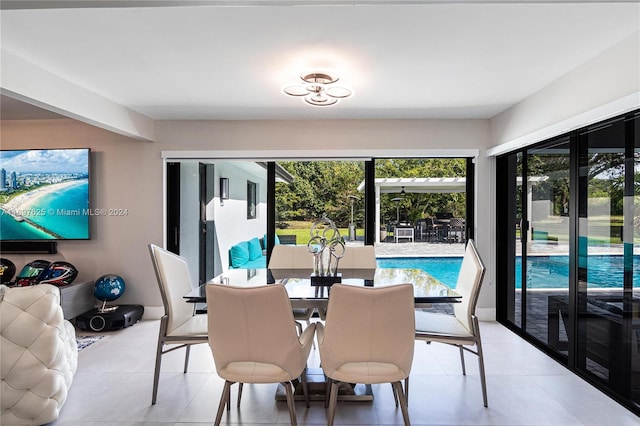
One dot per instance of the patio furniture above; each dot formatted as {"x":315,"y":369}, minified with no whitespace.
{"x":403,"y":232}
{"x":456,"y":230}
{"x":462,"y":328}
{"x":434,"y":230}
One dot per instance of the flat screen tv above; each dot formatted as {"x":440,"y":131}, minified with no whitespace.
{"x":44,"y":194}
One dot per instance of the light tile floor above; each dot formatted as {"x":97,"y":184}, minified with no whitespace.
{"x":113,"y":387}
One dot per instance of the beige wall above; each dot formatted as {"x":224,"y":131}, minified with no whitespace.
{"x":124,"y":174}
{"x":127,"y":174}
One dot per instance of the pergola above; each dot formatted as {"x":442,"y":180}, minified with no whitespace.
{"x":414,"y":185}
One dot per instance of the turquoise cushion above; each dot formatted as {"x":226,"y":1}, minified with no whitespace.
{"x":239,"y":254}
{"x":255,"y":249}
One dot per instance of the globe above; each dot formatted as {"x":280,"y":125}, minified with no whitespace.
{"x":108,"y":287}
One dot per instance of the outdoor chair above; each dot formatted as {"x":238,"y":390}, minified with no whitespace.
{"x":434,"y":230}
{"x":368,"y":338}
{"x":456,"y":230}
{"x":178,"y":326}
{"x":460,"y":329}
{"x":269,"y":351}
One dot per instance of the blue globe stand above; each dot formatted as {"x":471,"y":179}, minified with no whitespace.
{"x":108,"y":288}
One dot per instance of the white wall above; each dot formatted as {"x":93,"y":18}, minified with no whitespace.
{"x":232,"y":225}
{"x":606,"y":86}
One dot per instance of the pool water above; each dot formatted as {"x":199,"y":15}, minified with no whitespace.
{"x":445,"y":269}
{"x":543,"y":271}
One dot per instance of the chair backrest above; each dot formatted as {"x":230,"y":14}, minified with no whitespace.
{"x":370,"y":324}
{"x":468,"y":285}
{"x":252,"y":324}
{"x":286,"y":256}
{"x":456,"y":222}
{"x":172,"y":273}
{"x":358,"y":257}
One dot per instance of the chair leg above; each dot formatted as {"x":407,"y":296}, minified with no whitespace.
{"x":406,"y":389}
{"x":333,"y":400}
{"x":313,"y":342}
{"x":305,"y":387}
{"x":290,"y":403}
{"x":395,"y":394}
{"x":397,"y":386}
{"x":327,"y":393}
{"x":223,"y":401}
{"x":239,"y":393}
{"x":464,"y":370}
{"x":483,"y":379}
{"x":156,"y":372}
{"x":186,"y":357}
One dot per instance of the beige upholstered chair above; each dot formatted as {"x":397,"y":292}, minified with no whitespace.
{"x":293,"y":257}
{"x":358,"y":257}
{"x":269,"y":351}
{"x":179,"y":327}
{"x":460,"y":329}
{"x":286,"y":256}
{"x":368,"y":338}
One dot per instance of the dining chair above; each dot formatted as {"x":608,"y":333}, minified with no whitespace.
{"x":269,"y":350}
{"x":368,"y":338}
{"x":179,"y":327}
{"x":355,"y":257}
{"x":460,"y":329}
{"x":358,"y":257}
{"x":293,"y":257}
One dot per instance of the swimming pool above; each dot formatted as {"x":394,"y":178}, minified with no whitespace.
{"x":445,"y":269}
{"x":544,"y":271}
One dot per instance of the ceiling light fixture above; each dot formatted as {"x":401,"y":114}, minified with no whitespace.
{"x":317,"y":90}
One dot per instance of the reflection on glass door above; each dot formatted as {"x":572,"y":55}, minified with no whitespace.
{"x":608,"y":314}
{"x":547,"y":244}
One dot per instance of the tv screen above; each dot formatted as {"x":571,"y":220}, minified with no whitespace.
{"x":44,"y":194}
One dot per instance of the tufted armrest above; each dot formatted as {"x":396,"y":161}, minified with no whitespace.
{"x":38,"y":354}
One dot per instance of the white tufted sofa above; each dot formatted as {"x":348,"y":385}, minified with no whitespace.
{"x":38,"y":355}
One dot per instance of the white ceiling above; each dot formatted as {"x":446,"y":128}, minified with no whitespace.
{"x":411,"y":59}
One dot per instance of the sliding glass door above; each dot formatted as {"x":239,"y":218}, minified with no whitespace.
{"x":567,"y":255}
{"x":608,"y":307}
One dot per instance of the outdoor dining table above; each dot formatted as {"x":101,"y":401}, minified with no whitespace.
{"x":304,"y":293}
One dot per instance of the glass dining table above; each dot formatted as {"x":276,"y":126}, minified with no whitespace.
{"x":305,"y":292}
{"x":309,"y":292}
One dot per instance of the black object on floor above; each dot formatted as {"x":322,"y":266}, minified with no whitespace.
{"x":123,"y":316}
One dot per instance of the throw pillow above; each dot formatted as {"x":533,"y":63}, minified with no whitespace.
{"x":239,"y":254}
{"x":255,"y":249}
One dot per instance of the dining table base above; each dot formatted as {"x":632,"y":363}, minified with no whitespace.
{"x":317,"y":386}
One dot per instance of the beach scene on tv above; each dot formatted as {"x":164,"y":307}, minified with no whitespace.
{"x":44,"y":194}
